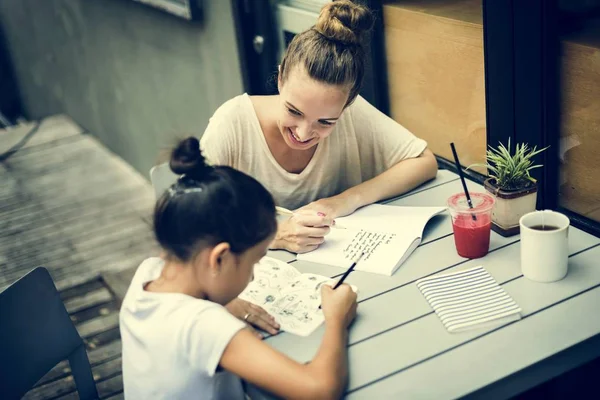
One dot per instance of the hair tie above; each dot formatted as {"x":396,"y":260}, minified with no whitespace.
{"x":173,"y":191}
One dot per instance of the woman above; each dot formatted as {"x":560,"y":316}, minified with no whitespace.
{"x":318,"y":146}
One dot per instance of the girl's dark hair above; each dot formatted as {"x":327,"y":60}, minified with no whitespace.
{"x":209,"y":205}
{"x":332,"y":50}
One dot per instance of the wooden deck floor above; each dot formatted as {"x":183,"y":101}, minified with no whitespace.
{"x":69,"y":204}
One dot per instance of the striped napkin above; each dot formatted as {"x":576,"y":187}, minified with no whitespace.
{"x":468,"y":299}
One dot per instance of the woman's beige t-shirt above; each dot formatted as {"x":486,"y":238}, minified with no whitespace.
{"x":363,"y":144}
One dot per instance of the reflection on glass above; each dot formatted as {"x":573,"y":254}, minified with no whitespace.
{"x":435,"y":65}
{"x":580,"y":110}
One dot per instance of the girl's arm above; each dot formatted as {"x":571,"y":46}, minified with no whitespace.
{"x":323,"y":378}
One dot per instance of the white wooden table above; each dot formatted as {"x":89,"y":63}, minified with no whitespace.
{"x":398,"y":348}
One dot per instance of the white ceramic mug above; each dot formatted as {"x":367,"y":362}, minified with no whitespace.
{"x":544,"y":253}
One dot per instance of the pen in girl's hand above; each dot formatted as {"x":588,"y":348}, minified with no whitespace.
{"x":347,"y":272}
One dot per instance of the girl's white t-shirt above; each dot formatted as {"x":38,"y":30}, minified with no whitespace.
{"x":363,"y":144}
{"x":172,"y":343}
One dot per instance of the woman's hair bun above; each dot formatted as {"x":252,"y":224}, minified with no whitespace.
{"x":344,"y":21}
{"x":186,"y":159}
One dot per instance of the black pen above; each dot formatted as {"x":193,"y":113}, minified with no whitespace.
{"x":347,"y":272}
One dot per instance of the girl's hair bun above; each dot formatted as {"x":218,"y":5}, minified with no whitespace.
{"x":344,"y":21}
{"x":186,"y":159}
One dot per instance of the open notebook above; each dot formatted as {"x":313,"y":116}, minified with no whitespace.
{"x":386,"y":234}
{"x":292,"y":298}
{"x":468,"y":299}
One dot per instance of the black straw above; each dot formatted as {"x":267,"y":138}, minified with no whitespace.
{"x":462,"y":178}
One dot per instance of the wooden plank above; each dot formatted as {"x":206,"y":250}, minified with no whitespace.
{"x":56,"y":196}
{"x":440,"y":225}
{"x":50,"y":129}
{"x":60,"y":187}
{"x":580,"y":119}
{"x":87,"y":154}
{"x":422,"y":337}
{"x":74,"y":222}
{"x":95,"y":311}
{"x":434,"y":257}
{"x":123,"y":255}
{"x":87,"y":248}
{"x":111,"y":387}
{"x":63,"y":183}
{"x":90,"y":299}
{"x":96,"y":356}
{"x":372,"y":318}
{"x":98,"y":325}
{"x":103,"y":338}
{"x":118,"y":282}
{"x":550,"y":325}
{"x":58,"y":230}
{"x":118,"y":396}
{"x":66,"y":385}
{"x":426,"y":337}
{"x":72,"y":206}
{"x":443,"y":97}
{"x":443,"y":176}
{"x":68,"y":292}
{"x":70,"y":190}
{"x":33,"y":164}
{"x":129,"y":233}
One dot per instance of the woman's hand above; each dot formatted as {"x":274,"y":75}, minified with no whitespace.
{"x":253,"y":315}
{"x":302,"y":232}
{"x":333,"y":207}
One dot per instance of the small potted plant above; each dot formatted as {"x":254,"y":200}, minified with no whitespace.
{"x":512,"y":185}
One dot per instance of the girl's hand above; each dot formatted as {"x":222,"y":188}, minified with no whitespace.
{"x":253,"y":315}
{"x":339,"y":305}
{"x":302,"y":232}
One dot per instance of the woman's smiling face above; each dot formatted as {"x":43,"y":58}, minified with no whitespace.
{"x":308,"y":109}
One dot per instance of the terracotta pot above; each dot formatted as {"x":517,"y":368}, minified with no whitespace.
{"x":510,"y":206}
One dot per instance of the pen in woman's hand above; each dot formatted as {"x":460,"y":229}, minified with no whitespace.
{"x":285,"y":211}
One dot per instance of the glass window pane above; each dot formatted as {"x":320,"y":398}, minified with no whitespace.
{"x":580,"y":110}
{"x":435,"y":66}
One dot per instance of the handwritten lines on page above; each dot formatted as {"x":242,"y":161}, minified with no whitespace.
{"x":468,"y":299}
{"x":387,"y":235}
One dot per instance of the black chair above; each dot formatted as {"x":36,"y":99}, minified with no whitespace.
{"x":36,"y":333}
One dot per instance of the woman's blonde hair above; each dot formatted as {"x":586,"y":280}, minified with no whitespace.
{"x":332,"y":51}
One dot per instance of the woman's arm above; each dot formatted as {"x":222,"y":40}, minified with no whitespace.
{"x":398,"y":179}
{"x":395,"y":159}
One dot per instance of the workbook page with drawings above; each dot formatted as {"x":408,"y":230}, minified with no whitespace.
{"x":386,"y":235}
{"x":291,"y":297}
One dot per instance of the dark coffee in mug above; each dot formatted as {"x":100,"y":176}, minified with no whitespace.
{"x":544,"y":227}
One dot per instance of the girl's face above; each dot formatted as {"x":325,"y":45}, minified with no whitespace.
{"x":309,"y":109}
{"x":234,"y":272}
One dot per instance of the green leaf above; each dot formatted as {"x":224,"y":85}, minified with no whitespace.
{"x":511,"y":170}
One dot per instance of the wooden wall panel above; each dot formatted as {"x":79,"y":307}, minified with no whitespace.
{"x":435,"y":65}
{"x":580,"y":121}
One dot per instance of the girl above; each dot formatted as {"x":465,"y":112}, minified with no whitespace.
{"x":318,"y":141}
{"x":179,"y":341}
